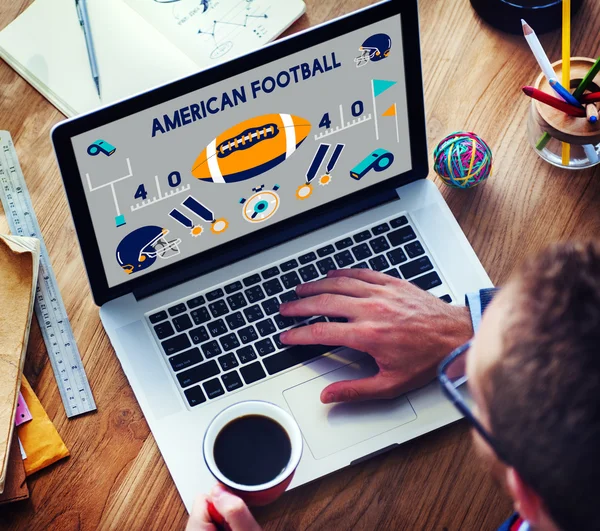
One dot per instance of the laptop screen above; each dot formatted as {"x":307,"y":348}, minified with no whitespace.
{"x":190,"y":174}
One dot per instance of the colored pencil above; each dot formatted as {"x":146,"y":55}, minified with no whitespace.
{"x":546,"y":98}
{"x":564,"y":93}
{"x":538,"y":51}
{"x":592,"y":97}
{"x":589,"y":77}
{"x":591,"y":154}
{"x":591,"y":112}
{"x":566,"y":68}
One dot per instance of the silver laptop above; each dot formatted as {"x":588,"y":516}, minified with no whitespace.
{"x":202,"y":204}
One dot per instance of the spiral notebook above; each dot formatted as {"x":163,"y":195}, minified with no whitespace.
{"x":139,"y":44}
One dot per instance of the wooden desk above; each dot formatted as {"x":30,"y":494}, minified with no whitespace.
{"x":116,"y":478}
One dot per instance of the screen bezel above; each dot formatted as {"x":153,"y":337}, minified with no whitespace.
{"x":277,"y":233}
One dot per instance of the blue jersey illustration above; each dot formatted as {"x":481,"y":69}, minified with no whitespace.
{"x":140,"y":249}
{"x":376,"y":48}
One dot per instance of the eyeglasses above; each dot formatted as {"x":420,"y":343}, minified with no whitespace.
{"x":453,"y":379}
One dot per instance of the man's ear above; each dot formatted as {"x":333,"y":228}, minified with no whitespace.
{"x":527,"y":502}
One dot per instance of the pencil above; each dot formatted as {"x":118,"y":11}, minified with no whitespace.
{"x":546,"y":98}
{"x":589,"y":77}
{"x":538,"y":51}
{"x":591,"y":112}
{"x":564,"y":93}
{"x":566,"y":66}
{"x":592,"y":97}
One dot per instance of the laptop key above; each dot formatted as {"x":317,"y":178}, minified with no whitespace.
{"x":289,"y":265}
{"x":199,"y":335}
{"x":379,"y":245}
{"x":195,"y":302}
{"x":446,"y":298}
{"x":214,"y":295}
{"x":227,"y":362}
{"x":255,"y":294}
{"x":236,"y":301}
{"x":176,"y":310}
{"x":393,"y":273}
{"x":362,"y":251}
{"x":195,"y":396}
{"x":344,"y":244}
{"x":218,"y":308}
{"x":400,"y":236}
{"x":185,"y":359}
{"x":163,"y":330}
{"x":246,"y":354}
{"x":229,"y":342}
{"x":198,"y":374}
{"x":428,"y":281}
{"x":254,"y":313}
{"x":307,"y":258}
{"x":248,"y":334}
{"x":158,"y":317}
{"x":272,"y":287}
{"x":213,"y":388}
{"x":344,"y":259}
{"x":266,"y":327}
{"x":397,"y":256}
{"x":290,"y":280}
{"x":265,"y":347}
{"x":270,"y":273}
{"x":283,"y":322}
{"x":362,"y":236}
{"x":182,"y":323}
{"x":251,"y":280}
{"x":416,"y":267}
{"x":271,"y":306}
{"x":176,"y":344}
{"x":399,"y":222}
{"x":217,"y":328}
{"x":294,"y":356}
{"x":232,"y":381}
{"x":325,"y":251}
{"x":200,"y":316}
{"x":235,"y":320}
{"x":253,"y":372}
{"x":326,"y":265}
{"x":379,"y":263}
{"x":360,"y":265}
{"x":289,"y":297}
{"x":308,"y":273}
{"x":211,"y":349}
{"x":232,"y":288}
{"x":414,"y":249}
{"x":380,"y":229}
{"x":277,"y":339}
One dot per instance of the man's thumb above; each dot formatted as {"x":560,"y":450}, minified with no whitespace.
{"x":356,"y":390}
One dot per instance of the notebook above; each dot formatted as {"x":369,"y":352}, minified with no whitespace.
{"x":139,"y":44}
{"x":19,"y":262}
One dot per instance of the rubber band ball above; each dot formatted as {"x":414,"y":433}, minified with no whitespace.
{"x":463,"y":160}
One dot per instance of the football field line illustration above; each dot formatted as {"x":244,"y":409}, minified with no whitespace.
{"x":251,"y":148}
{"x":119,"y":218}
{"x":344,"y":125}
{"x":160,"y":195}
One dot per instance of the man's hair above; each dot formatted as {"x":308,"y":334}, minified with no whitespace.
{"x":544,"y":397}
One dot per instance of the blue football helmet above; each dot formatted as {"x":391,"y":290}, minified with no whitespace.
{"x":375,"y":48}
{"x":140,"y":248}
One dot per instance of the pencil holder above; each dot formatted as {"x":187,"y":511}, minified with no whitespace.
{"x":548,"y":128}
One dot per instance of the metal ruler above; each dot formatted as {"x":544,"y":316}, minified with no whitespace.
{"x":49,"y":307}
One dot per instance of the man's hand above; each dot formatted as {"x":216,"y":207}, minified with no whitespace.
{"x":408,"y":331}
{"x":232,"y":509}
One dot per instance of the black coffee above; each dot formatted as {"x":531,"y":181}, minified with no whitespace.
{"x":252,"y":450}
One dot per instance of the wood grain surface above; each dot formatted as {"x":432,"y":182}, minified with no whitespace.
{"x":116,"y":479}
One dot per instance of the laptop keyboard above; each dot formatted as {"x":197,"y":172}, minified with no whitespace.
{"x":227,"y":338}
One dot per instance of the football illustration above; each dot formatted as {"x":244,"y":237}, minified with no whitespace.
{"x":251,"y":148}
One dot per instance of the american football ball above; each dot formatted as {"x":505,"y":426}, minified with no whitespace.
{"x":250,"y":148}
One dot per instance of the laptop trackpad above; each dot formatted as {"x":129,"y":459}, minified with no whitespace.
{"x":329,"y":428}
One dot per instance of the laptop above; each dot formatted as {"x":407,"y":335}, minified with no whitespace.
{"x":201,"y":205}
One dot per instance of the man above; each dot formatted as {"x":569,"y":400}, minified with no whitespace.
{"x":533,"y":372}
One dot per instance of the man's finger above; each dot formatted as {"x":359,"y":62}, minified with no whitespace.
{"x":329,"y":334}
{"x":234,"y":510}
{"x":325,"y":304}
{"x":357,"y":390}
{"x":340,"y":285}
{"x":366,"y":275}
{"x":199,"y":518}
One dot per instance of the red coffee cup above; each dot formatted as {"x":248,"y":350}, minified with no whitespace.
{"x":269,"y":491}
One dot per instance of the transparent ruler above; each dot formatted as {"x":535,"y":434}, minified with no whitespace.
{"x":49,"y":307}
